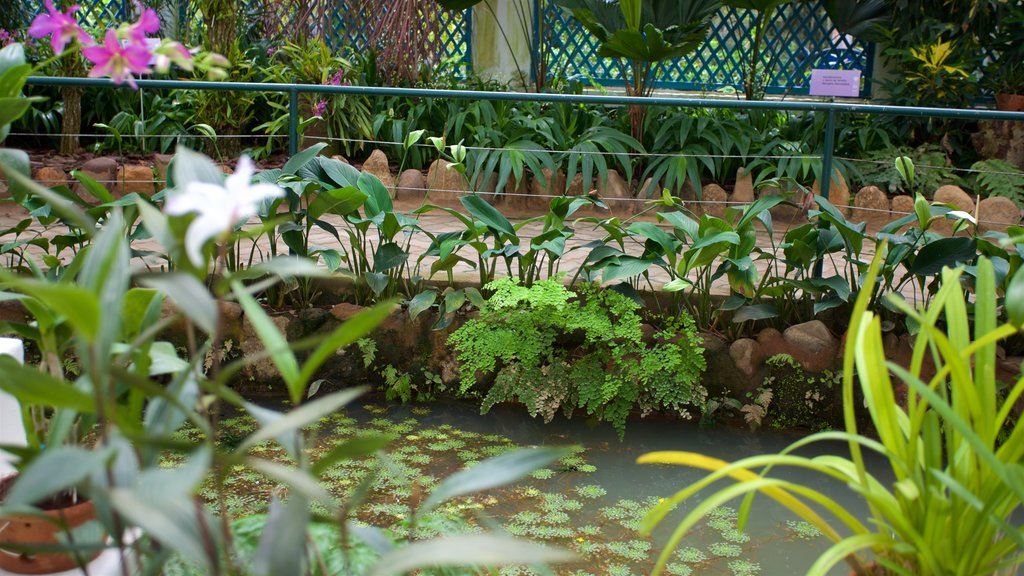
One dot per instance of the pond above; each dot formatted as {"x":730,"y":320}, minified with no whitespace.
{"x":591,"y":501}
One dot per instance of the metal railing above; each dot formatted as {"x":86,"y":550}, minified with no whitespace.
{"x":294,"y":90}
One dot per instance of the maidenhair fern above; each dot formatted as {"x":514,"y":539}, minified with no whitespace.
{"x":1000,"y":178}
{"x":552,"y":349}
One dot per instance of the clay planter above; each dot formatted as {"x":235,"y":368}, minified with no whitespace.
{"x":33,"y":530}
{"x":1010,"y":102}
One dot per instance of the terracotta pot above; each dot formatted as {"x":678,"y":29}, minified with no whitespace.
{"x":33,"y":530}
{"x":1010,"y":102}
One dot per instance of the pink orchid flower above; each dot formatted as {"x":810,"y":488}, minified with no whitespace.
{"x":62,"y":28}
{"x":118,"y":62}
{"x":149,"y":23}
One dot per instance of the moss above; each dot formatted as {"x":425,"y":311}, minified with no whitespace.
{"x":800,"y":399}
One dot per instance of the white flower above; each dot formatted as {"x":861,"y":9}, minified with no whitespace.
{"x":220,"y":208}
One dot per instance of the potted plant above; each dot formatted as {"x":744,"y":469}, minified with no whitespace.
{"x":1004,"y":77}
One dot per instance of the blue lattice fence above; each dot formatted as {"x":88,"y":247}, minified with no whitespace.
{"x":345,"y":25}
{"x":799,"y":38}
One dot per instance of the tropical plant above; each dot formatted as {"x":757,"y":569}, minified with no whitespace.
{"x":605,"y":367}
{"x":999,"y":178}
{"x":952,"y":447}
{"x":644,"y":33}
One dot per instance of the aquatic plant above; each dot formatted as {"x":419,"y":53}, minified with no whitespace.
{"x":589,"y":530}
{"x":591,"y":491}
{"x":678,"y":569}
{"x":803,"y":530}
{"x":744,"y":568}
{"x":543,"y":474}
{"x":618,"y":570}
{"x":630,"y":549}
{"x":725,"y":549}
{"x":691,"y":555}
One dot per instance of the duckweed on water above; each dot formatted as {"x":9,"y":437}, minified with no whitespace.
{"x":803,"y":530}
{"x":546,"y":507}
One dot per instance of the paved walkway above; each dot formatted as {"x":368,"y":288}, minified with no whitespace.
{"x":436,"y":222}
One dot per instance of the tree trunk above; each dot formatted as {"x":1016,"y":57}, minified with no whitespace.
{"x":71,"y":121}
{"x":220,"y":21}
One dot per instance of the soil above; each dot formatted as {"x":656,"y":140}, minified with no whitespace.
{"x":62,"y":500}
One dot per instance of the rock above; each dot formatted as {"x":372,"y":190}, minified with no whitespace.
{"x":103,"y":170}
{"x":871,"y":204}
{"x":615,"y":192}
{"x":340,"y":158}
{"x":135,"y":179}
{"x":743,"y":192}
{"x":162,"y":163}
{"x":13,"y":311}
{"x":714,"y":200}
{"x":1002,"y":139}
{"x":812,"y":345}
{"x":411,"y":185}
{"x":772,"y":342}
{"x":902,"y":205}
{"x":786,"y":212}
{"x":377,"y":164}
{"x":51,"y":176}
{"x":576,"y":187}
{"x":838,"y":193}
{"x":344,"y":311}
{"x":251,"y":346}
{"x":518,"y":196}
{"x":445,"y":185}
{"x":548,"y":184}
{"x":996,"y":213}
{"x":650,"y":189}
{"x":747,"y":355}
{"x":955,"y":197}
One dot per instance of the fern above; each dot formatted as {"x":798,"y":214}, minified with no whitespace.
{"x":551,"y":349}
{"x":999,"y":178}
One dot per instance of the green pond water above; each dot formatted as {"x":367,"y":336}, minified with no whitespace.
{"x":591,"y":502}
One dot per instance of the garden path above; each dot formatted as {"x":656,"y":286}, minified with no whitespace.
{"x":435,"y":222}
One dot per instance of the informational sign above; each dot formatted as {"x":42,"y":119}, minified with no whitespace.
{"x":844,"y":83}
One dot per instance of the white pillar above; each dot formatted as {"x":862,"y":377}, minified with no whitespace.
{"x":506,"y":58}
{"x":12,"y":430}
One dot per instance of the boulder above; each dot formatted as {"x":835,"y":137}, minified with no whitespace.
{"x":772,"y":342}
{"x":788,"y":212}
{"x":614,"y":190}
{"x":103,"y":170}
{"x":162,"y":163}
{"x":576,"y":187}
{"x":548,"y":183}
{"x":902,"y":205}
{"x":996,"y":213}
{"x":518,"y":196}
{"x":743,"y":192}
{"x":650,"y":189}
{"x":411,"y":185}
{"x":747,"y":355}
{"x":812,"y":345}
{"x":51,"y":176}
{"x":871,"y":203}
{"x":838,"y":192}
{"x":377,"y":164}
{"x":250,"y":345}
{"x":955,"y":197}
{"x":134,"y":178}
{"x":445,"y":185}
{"x":714,"y":200}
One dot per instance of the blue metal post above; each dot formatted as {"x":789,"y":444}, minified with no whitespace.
{"x":293,"y":121}
{"x":828,"y":153}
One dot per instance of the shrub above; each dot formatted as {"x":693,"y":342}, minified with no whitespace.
{"x":552,"y":349}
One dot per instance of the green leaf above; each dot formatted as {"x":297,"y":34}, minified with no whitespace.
{"x":98,"y":191}
{"x":943,"y":252}
{"x":492,"y":473}
{"x":79,"y":306}
{"x":282,"y":546}
{"x":378,"y":199}
{"x":273,"y":341}
{"x":467,"y":550}
{"x":340,"y":201}
{"x":56,"y":469}
{"x":377,"y":282}
{"x":188,"y":295}
{"x":16,"y":160}
{"x":353,"y":329}
{"x":756,"y":312}
{"x":34,"y":387}
{"x":302,"y":158}
{"x":1015,"y":298}
{"x":489,"y":215}
{"x":389,"y":256}
{"x":627,"y":267}
{"x":188,"y":166}
{"x":174,"y":522}
{"x":420,"y":303}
